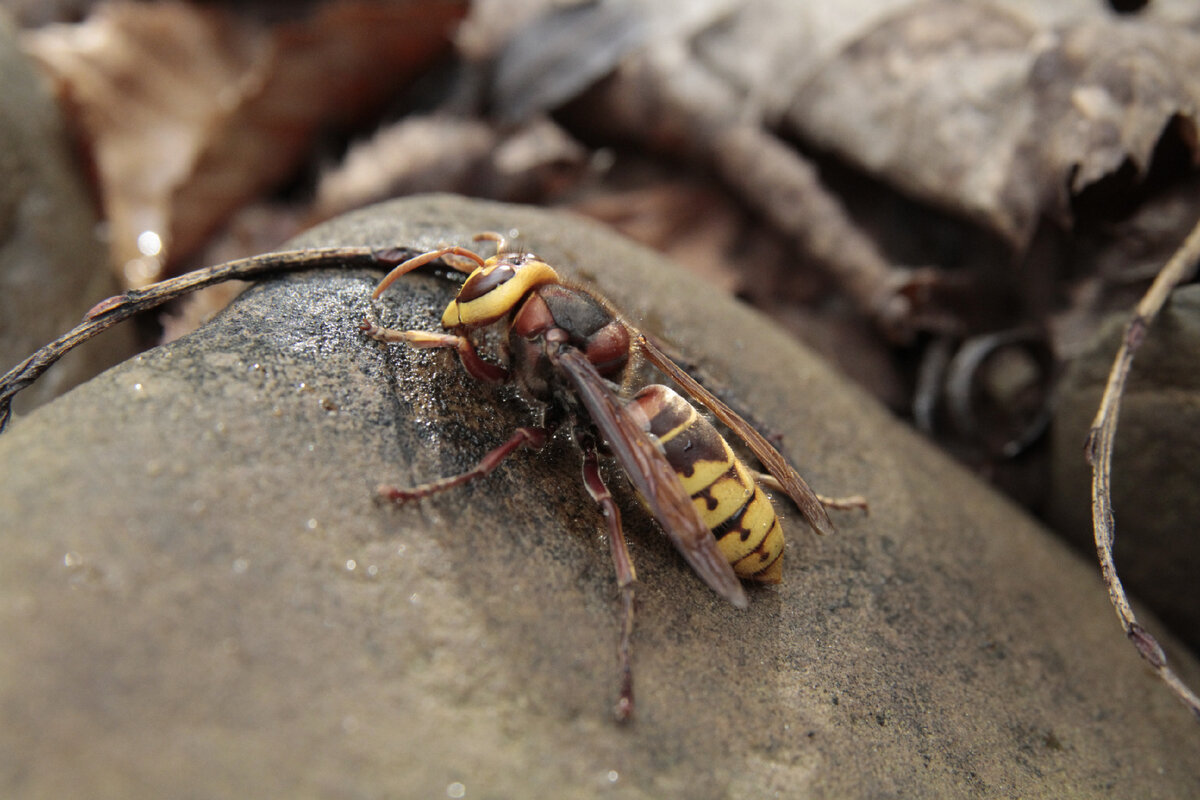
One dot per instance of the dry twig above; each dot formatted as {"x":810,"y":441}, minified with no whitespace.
{"x":120,"y":307}
{"x":1179,"y":269}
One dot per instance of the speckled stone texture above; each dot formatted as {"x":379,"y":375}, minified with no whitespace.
{"x":199,"y":596}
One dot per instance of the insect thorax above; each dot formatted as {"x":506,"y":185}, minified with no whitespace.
{"x":588,"y":324}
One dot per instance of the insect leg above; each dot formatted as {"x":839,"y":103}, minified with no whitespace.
{"x":768,"y":481}
{"x":623,"y":564}
{"x":475,"y":366}
{"x":423,"y":339}
{"x":533,"y":438}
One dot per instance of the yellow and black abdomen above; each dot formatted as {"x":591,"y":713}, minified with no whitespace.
{"x":722,"y":488}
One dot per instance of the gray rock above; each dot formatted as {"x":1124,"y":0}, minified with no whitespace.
{"x":201,"y":598}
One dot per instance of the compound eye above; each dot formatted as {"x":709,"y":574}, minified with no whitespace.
{"x":483,"y":281}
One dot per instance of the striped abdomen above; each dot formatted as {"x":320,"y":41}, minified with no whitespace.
{"x":722,"y":488}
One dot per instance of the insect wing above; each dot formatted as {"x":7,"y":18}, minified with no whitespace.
{"x":795,"y":486}
{"x":652,"y":476}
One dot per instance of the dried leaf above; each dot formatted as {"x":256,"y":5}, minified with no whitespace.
{"x":1004,"y":111}
{"x":1002,"y":116}
{"x":449,"y":154}
{"x":688,"y":221}
{"x":189,"y":111}
{"x":555,"y":56}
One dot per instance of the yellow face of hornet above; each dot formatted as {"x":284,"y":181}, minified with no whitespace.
{"x":494,"y":289}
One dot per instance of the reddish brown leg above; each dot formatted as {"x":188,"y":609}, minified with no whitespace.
{"x":533,"y":438}
{"x":624,"y":566}
{"x":768,"y":481}
{"x":475,"y":366}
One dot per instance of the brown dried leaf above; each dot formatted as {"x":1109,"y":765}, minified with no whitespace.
{"x":189,"y":111}
{"x":1003,"y":111}
{"x":684,"y":219}
{"x":440,"y":153}
{"x":1006,"y":114}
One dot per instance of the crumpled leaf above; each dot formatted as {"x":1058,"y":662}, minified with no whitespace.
{"x":188,"y":111}
{"x":1004,"y":111}
{"x":1001,"y":115}
{"x":441,"y":153}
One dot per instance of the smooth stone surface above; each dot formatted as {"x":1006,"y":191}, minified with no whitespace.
{"x":199,"y":596}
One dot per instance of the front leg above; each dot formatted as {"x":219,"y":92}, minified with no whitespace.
{"x":475,"y":366}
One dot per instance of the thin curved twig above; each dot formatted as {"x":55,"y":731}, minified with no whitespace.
{"x":1180,"y":268}
{"x":120,"y":307}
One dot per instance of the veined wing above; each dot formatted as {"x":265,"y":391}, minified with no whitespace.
{"x":795,"y":486}
{"x":651,"y":475}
